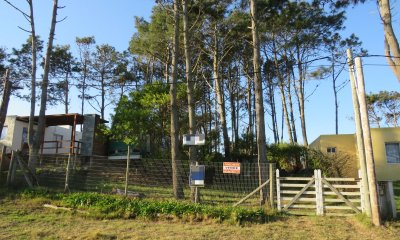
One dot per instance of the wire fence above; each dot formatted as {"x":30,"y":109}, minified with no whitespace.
{"x":147,"y":178}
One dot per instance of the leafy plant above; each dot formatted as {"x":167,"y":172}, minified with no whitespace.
{"x":107,"y":206}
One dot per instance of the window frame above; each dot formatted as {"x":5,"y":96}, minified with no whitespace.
{"x":398,"y":153}
{"x":329,"y":150}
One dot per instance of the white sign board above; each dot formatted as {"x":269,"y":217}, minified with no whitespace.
{"x":194,"y":139}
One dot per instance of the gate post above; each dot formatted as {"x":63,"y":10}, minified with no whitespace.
{"x":321,"y":192}
{"x":278,"y":191}
{"x":271,"y":185}
{"x":318,"y":193}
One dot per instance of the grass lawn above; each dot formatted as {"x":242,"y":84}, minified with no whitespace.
{"x":28,"y":219}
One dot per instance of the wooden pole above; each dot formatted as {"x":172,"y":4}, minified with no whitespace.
{"x":369,"y":154}
{"x":11,"y":170}
{"x":271,"y":185}
{"x":278,"y":191}
{"x":317,"y":192}
{"x":359,"y":135}
{"x":128,"y":159}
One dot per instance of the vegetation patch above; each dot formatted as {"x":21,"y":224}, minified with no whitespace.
{"x":110,"y":206}
{"x":105,"y":206}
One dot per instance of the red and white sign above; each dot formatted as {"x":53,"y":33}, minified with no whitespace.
{"x":231,"y":167}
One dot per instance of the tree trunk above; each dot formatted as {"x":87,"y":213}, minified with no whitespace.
{"x":249,"y":105}
{"x":259,"y":100}
{"x":175,"y":156}
{"x":299,"y":87}
{"x":31,"y":134}
{"x":292,"y":123}
{"x":45,"y":83}
{"x":83,"y":90}
{"x":392,"y":49}
{"x":103,"y":95}
{"x":232,"y":101}
{"x":191,"y":101}
{"x":285,"y":111}
{"x":283,"y":99}
{"x":220,"y":97}
{"x":167,"y":65}
{"x":66,"y":93}
{"x":5,"y":99}
{"x":335,"y":93}
{"x":270,"y":88}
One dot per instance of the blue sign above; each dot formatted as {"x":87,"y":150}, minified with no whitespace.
{"x":197,"y":175}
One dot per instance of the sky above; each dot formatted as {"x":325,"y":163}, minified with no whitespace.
{"x":112,"y":22}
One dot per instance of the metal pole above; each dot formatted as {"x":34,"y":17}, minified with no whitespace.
{"x":66,"y":187}
{"x":359,"y":135}
{"x":196,"y":196}
{"x":369,"y":154}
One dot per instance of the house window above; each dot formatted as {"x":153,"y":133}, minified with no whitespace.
{"x":392,"y":152}
{"x":4,"y":133}
{"x":331,"y":149}
{"x":58,"y":138}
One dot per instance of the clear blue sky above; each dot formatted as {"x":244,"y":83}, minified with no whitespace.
{"x":112,"y":22}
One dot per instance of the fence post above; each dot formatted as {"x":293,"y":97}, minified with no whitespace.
{"x":67,"y":174}
{"x":278,"y":191}
{"x":11,"y":170}
{"x":321,"y":193}
{"x":318,"y":192}
{"x":128,"y":159}
{"x":271,"y":186}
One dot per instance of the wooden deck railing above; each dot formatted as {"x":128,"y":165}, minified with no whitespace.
{"x":73,"y":147}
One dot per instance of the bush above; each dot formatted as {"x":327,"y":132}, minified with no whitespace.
{"x":287,"y":157}
{"x":108,"y":206}
{"x":293,"y":158}
{"x":332,"y":165}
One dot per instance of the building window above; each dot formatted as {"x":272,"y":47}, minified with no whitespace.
{"x":4,"y":133}
{"x":331,"y":149}
{"x":392,"y":152}
{"x":58,"y":138}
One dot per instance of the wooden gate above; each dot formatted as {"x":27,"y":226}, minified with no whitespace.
{"x":320,"y":195}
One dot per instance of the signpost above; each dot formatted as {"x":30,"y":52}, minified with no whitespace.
{"x":194,"y":139}
{"x":197,"y":172}
{"x":231,"y":167}
{"x":197,"y":175}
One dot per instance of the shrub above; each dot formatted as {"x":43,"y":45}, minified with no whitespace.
{"x":109,"y":206}
{"x":287,"y":156}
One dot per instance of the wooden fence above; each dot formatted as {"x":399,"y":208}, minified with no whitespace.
{"x":318,"y":194}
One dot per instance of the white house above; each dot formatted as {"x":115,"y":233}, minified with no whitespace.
{"x":61,"y":136}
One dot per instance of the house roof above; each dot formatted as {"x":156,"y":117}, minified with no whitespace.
{"x":59,"y":119}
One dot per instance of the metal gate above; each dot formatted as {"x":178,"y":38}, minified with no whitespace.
{"x":320,"y":195}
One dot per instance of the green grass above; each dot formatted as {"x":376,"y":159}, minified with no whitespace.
{"x":208,"y":196}
{"x":107,"y":206}
{"x":24,"y":217}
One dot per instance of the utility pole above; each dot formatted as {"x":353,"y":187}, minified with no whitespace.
{"x":369,"y":155}
{"x":359,"y":135}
